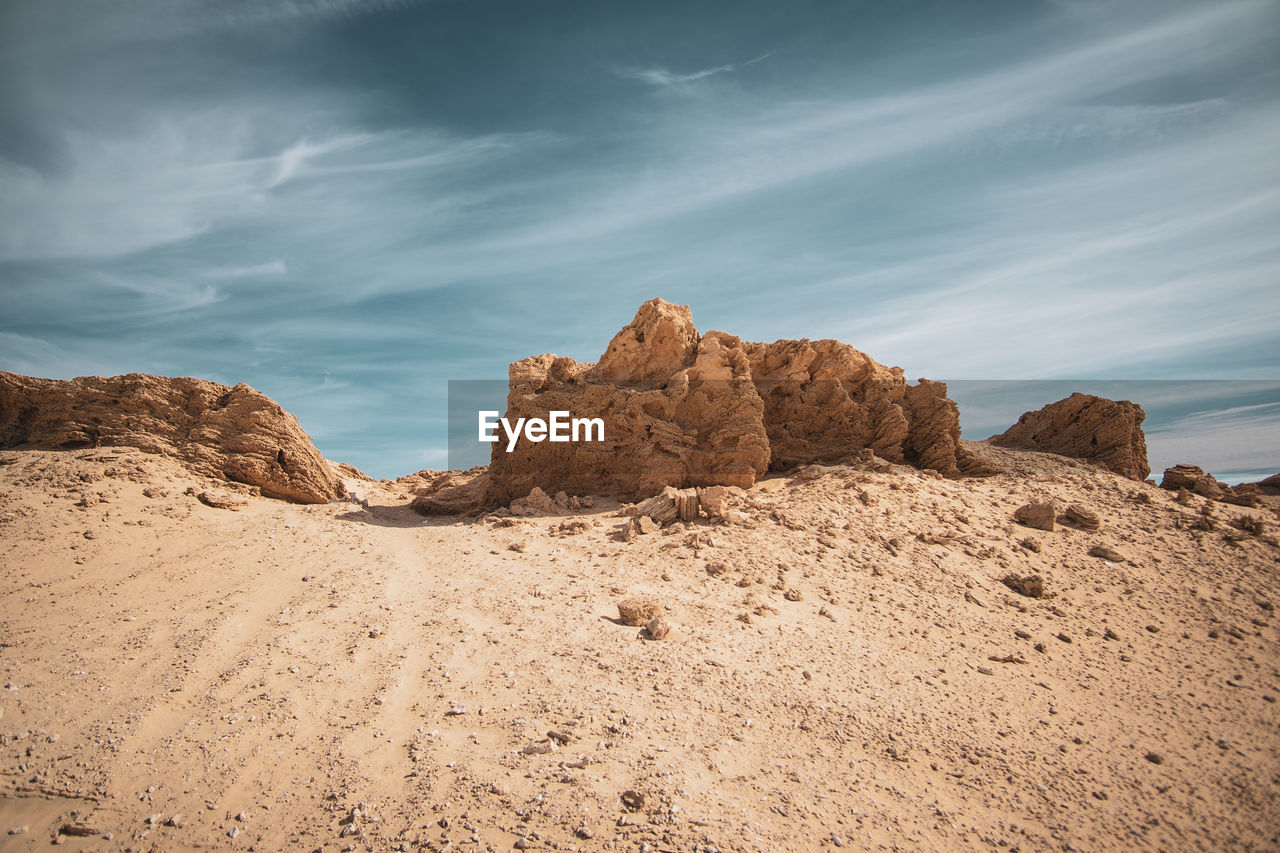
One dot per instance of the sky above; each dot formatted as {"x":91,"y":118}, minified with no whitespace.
{"x":346,"y":204}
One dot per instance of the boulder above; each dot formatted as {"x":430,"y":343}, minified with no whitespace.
{"x":1084,"y":518}
{"x":230,"y":433}
{"x":1181,"y":477}
{"x":1194,"y":479}
{"x":684,"y":409}
{"x":1106,"y":552}
{"x":1105,"y":432}
{"x":638,"y":611}
{"x":1031,"y":586}
{"x":668,"y":505}
{"x":1039,"y":515}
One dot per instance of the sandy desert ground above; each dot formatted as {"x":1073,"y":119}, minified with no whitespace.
{"x":845,"y":669}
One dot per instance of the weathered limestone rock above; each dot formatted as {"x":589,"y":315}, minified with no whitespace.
{"x":1084,"y":518}
{"x":235,"y":434}
{"x":1106,"y":432}
{"x":1038,"y":515}
{"x":688,"y":410}
{"x":638,"y":611}
{"x":1194,"y":479}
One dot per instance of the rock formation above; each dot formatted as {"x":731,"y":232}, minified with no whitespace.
{"x":1196,"y":481}
{"x":235,"y":434}
{"x":1105,"y":432}
{"x":684,"y":409}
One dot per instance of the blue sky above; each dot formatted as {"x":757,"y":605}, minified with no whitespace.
{"x":346,"y":204}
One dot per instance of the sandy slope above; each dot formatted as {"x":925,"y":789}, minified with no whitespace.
{"x":254,"y":676}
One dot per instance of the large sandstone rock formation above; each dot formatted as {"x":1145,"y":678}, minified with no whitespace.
{"x":235,"y":433}
{"x":685,"y":409}
{"x":1106,"y":432}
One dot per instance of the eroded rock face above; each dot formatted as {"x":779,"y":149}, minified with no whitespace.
{"x":234,"y":434}
{"x":1106,"y":432}
{"x":684,"y":409}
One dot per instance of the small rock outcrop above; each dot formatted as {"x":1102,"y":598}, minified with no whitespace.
{"x":448,"y":492}
{"x":1192,"y":479}
{"x":1105,"y":432}
{"x":688,"y":410}
{"x":231,"y":433}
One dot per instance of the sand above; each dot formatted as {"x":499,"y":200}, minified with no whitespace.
{"x":845,"y":668}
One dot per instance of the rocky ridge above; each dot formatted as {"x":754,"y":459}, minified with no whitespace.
{"x":231,"y":433}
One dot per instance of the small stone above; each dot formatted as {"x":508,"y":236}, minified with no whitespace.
{"x":633,"y":800}
{"x":1032,"y":586}
{"x":242,"y":817}
{"x":1031,"y":544}
{"x":1154,"y":757}
{"x":638,"y":611}
{"x":1110,"y":635}
{"x":1154,"y":629}
{"x":1107,"y":553}
{"x":657,"y":628}
{"x":1066,"y":638}
{"x":542,"y":747}
{"x":793,"y":594}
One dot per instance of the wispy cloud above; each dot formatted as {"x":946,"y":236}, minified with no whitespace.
{"x":277,"y":201}
{"x":1237,"y":443}
{"x":665,"y":77}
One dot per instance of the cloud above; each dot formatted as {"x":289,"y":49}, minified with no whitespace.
{"x":664,"y":78}
{"x":182,"y":176}
{"x":1091,"y":198}
{"x":1236,"y":444}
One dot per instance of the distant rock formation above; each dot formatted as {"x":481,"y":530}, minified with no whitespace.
{"x":685,"y":409}
{"x":234,"y":434}
{"x":1105,"y":432}
{"x":1196,"y":481}
{"x":448,"y":492}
